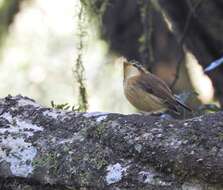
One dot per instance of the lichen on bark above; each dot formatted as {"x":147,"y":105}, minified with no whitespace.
{"x":75,"y":150}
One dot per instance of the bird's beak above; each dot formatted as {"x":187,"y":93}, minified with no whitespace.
{"x":121,"y":60}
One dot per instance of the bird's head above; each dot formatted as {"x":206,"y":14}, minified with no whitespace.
{"x":133,"y":68}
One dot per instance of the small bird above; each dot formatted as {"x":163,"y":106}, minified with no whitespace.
{"x":146,"y":91}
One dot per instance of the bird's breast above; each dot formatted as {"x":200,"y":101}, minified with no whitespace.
{"x":141,"y":99}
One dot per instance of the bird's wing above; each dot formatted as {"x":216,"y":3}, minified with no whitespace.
{"x":153,"y":85}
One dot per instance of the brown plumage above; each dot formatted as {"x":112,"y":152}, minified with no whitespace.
{"x":146,"y":91}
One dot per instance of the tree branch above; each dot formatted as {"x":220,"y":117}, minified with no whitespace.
{"x":73,"y":150}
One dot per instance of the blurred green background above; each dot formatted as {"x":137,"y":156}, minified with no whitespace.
{"x":39,"y":48}
{"x":39,"y":52}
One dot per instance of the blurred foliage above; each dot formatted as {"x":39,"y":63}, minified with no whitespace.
{"x":40,"y":53}
{"x":95,"y":9}
{"x":41,"y":46}
{"x":37,"y":54}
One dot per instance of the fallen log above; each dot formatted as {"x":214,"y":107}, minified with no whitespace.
{"x":45,"y":148}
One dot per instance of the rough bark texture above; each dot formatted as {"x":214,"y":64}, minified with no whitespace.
{"x":44,"y":148}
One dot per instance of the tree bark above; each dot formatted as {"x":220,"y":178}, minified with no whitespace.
{"x":45,"y":148}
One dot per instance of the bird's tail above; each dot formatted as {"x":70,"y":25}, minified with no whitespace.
{"x":184,"y":105}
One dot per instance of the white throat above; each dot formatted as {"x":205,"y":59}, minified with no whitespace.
{"x":130,"y":71}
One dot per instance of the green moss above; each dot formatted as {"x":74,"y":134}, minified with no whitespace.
{"x":100,"y":129}
{"x":64,"y":106}
{"x":95,"y":9}
{"x":99,"y":162}
{"x":220,"y":136}
{"x":84,"y":178}
{"x":79,"y":70}
{"x":49,"y":160}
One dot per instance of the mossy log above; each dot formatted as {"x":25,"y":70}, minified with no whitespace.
{"x":45,"y":148}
